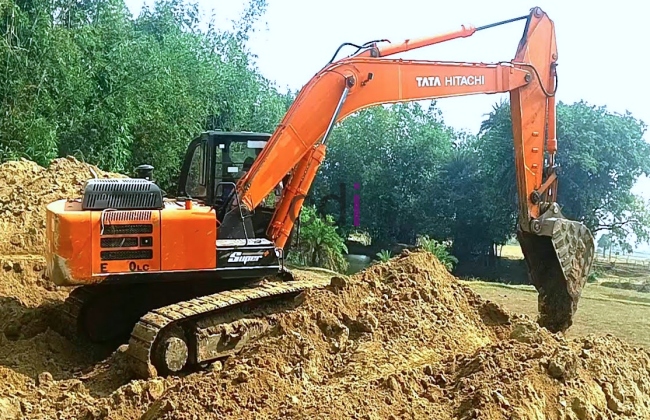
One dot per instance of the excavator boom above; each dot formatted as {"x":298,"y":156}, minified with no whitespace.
{"x":361,"y":83}
{"x":558,"y":252}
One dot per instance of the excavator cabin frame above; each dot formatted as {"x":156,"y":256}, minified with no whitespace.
{"x":208,"y":254}
{"x":217,"y":171}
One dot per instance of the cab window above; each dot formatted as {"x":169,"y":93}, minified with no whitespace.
{"x":196,"y":186}
{"x":232,"y":169}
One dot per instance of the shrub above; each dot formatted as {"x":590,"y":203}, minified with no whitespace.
{"x":319,"y":244}
{"x":593,"y":276}
{"x":440,"y":250}
{"x":384,"y":255}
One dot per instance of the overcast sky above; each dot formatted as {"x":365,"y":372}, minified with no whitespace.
{"x":602,"y":49}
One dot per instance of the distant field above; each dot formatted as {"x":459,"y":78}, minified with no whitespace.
{"x":635,"y":269}
{"x":637,"y":258}
{"x":602,"y":310}
{"x":512,"y":252}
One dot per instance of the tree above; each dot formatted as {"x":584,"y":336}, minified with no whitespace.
{"x":395,"y":155}
{"x":89,"y":80}
{"x":478,"y":216}
{"x":605,"y":242}
{"x":601,"y":154}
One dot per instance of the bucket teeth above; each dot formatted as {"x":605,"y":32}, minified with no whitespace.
{"x":559,"y":259}
{"x":574,"y":246}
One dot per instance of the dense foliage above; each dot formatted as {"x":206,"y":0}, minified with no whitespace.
{"x":417,"y":176}
{"x":319,"y":244}
{"x":88,"y":79}
{"x":396,"y":155}
{"x":601,"y":155}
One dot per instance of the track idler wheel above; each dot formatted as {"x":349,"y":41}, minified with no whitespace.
{"x":559,"y":254}
{"x":170,"y":352}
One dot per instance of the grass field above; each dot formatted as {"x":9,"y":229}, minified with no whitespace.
{"x":602,"y":310}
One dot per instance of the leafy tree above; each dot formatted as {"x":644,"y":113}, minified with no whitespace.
{"x":395,"y":155}
{"x":474,"y":213}
{"x":601,"y":154}
{"x":319,"y":244}
{"x":605,"y":242}
{"x":89,"y":80}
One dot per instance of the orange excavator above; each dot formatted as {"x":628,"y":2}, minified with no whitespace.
{"x":193,"y":278}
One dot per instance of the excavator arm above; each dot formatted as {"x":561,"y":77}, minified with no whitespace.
{"x":558,"y":252}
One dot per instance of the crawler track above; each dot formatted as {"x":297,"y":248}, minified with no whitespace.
{"x":172,"y":327}
{"x":89,"y":313}
{"x":168,"y":339}
{"x":79,"y":318}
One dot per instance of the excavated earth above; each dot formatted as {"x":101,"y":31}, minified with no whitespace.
{"x":402,"y":339}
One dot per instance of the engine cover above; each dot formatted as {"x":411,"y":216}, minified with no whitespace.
{"x":122,"y":194}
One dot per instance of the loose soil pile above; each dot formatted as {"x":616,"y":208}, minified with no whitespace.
{"x":402,"y":339}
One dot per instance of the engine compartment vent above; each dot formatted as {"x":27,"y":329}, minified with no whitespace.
{"x":122,"y":194}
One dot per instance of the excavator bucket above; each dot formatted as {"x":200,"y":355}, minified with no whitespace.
{"x":559,"y":254}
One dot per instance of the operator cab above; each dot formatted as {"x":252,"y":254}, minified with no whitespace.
{"x":214,"y":160}
{"x":214,"y":163}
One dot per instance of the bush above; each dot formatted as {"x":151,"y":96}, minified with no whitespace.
{"x":440,"y":250}
{"x":594,"y":276}
{"x":319,"y":244}
{"x":384,"y":255}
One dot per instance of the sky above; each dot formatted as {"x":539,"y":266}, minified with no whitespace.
{"x":602,"y":57}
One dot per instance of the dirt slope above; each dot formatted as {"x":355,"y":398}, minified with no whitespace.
{"x":402,"y":339}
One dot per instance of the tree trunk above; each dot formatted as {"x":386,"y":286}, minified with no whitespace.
{"x":314,"y":258}
{"x":492,"y":255}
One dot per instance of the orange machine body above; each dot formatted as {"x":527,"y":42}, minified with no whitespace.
{"x":85,"y":247}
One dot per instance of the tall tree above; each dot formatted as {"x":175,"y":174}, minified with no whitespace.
{"x":395,"y":155}
{"x":87,"y":79}
{"x":601,"y":154}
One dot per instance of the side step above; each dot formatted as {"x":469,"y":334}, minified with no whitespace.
{"x":187,"y":334}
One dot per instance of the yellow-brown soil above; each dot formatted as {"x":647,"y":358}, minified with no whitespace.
{"x":402,"y":339}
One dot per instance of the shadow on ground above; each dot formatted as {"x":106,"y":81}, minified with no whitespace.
{"x":501,"y":270}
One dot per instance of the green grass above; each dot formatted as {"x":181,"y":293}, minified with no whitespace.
{"x":602,"y":310}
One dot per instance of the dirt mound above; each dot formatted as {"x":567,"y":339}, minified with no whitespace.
{"x":25,"y":189}
{"x":402,"y":339}
{"x":27,"y":346}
